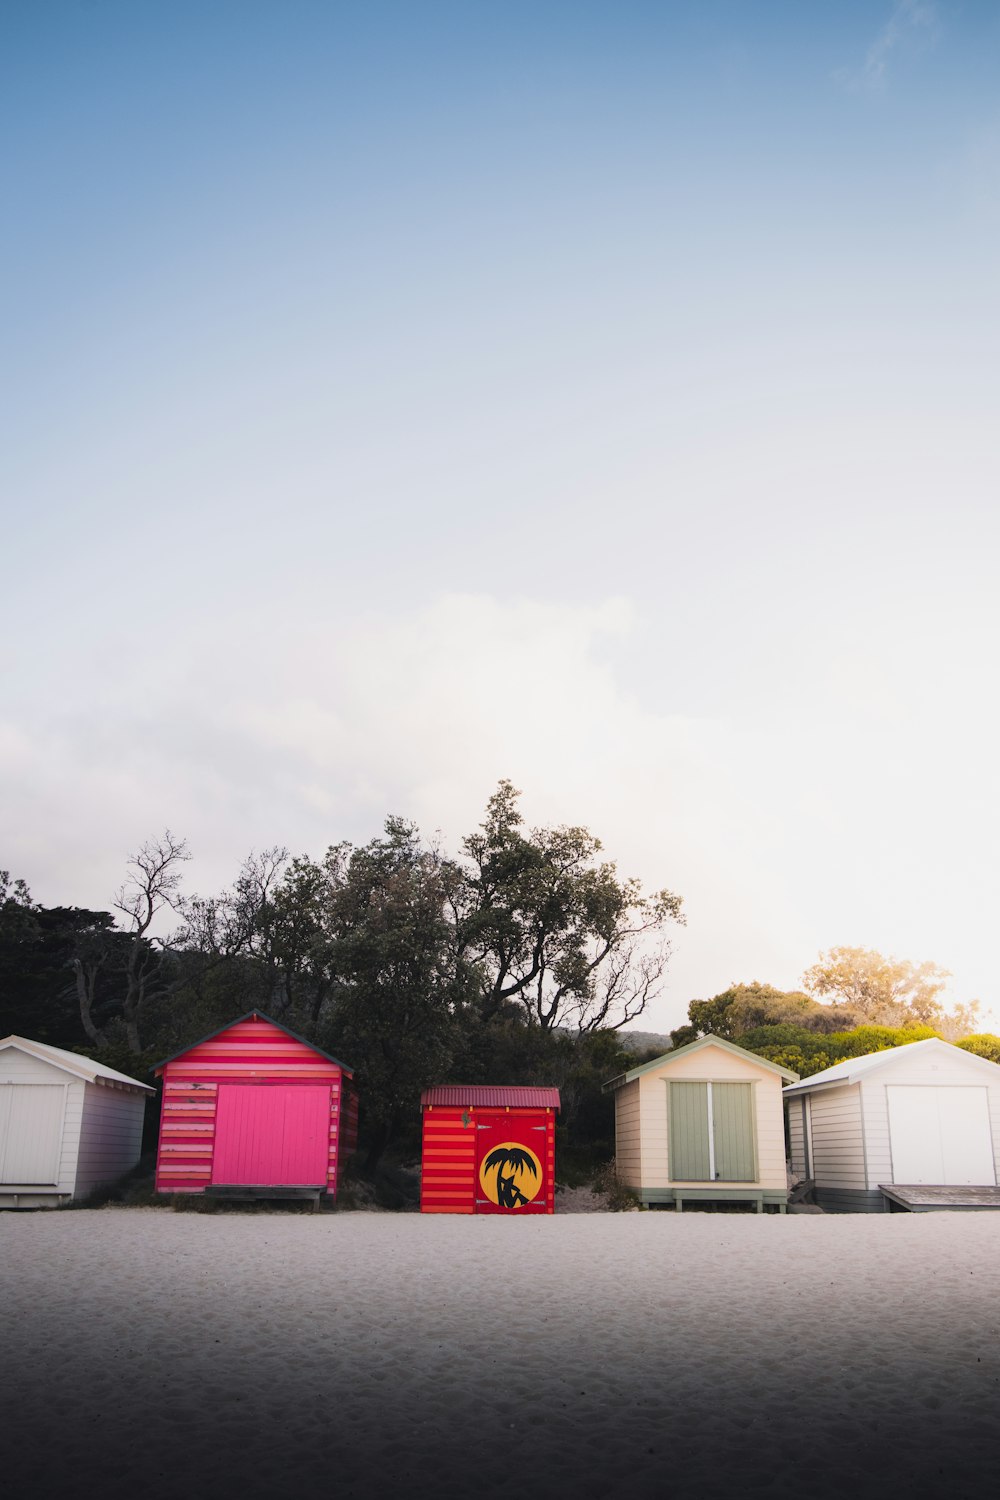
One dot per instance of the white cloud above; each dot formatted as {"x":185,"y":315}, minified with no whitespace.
{"x":912,"y":23}
{"x":826,"y":821}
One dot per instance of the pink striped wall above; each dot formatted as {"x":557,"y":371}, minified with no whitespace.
{"x":251,"y":1053}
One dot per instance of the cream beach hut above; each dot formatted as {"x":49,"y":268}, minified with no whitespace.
{"x":927,"y":1114}
{"x":702,"y":1123}
{"x":67,"y":1124}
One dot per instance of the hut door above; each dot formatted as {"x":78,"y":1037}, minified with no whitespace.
{"x":31,"y":1122}
{"x":510,"y":1164}
{"x":940,"y":1134}
{"x":272,"y":1136}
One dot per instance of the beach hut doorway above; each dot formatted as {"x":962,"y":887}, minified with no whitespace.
{"x":31,"y":1126}
{"x":940,"y":1135}
{"x":272,"y":1135}
{"x":510,"y":1172}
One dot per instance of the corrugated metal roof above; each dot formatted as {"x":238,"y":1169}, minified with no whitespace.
{"x":491,"y":1096}
{"x":73,"y":1062}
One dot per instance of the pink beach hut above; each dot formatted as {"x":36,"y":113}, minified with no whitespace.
{"x":254,"y":1111}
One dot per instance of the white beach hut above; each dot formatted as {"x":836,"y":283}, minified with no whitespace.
{"x":927,"y":1114}
{"x":702,"y":1123}
{"x":67,"y":1125}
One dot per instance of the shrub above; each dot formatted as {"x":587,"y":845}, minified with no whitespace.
{"x":808,"y":1052}
{"x":620,"y":1198}
{"x":983,"y":1045}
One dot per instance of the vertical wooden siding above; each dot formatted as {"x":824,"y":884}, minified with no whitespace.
{"x":448,"y":1179}
{"x":251,"y":1051}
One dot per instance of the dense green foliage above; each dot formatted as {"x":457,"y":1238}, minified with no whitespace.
{"x":515,"y":962}
{"x":983,"y":1045}
{"x":808,"y":1052}
{"x":879,"y":1003}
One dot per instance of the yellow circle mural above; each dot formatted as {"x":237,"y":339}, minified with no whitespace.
{"x":510,"y":1175}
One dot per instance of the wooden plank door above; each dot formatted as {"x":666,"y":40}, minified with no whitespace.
{"x":31,"y":1125}
{"x":511,"y":1176}
{"x":689,"y":1151}
{"x":734,"y":1156}
{"x":712,"y":1133}
{"x":272,"y":1136}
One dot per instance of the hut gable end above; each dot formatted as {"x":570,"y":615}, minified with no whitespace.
{"x":702,"y":1121}
{"x":201,"y":1105}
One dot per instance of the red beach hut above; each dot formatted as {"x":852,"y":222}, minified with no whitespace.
{"x":488,"y":1150}
{"x":255,"y":1111}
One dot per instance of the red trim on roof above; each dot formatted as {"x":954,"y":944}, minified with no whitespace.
{"x":490,"y":1096}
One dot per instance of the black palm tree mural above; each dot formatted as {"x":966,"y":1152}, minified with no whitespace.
{"x":509,"y":1195}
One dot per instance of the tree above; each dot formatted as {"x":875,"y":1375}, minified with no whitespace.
{"x":888,"y":991}
{"x":60,"y":968}
{"x":984,"y":1045}
{"x":808,"y":1052}
{"x":398,"y":989}
{"x":552,"y":931}
{"x":743,"y":1007}
{"x":152,"y":884}
{"x":99,"y":953}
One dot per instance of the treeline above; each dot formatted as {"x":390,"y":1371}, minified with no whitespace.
{"x":516,"y":960}
{"x":874,"y":1003}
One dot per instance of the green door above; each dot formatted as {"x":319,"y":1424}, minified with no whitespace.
{"x":712,"y":1133}
{"x":732,"y":1132}
{"x":688,"y":1147}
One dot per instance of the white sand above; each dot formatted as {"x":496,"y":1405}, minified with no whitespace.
{"x":150,"y":1354}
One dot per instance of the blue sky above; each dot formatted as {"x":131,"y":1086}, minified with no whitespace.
{"x":401,"y":396}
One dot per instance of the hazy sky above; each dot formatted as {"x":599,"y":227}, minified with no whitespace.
{"x":398,"y":396}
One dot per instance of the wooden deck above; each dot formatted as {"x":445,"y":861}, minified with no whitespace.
{"x":251,"y":1193}
{"x":924,"y":1198}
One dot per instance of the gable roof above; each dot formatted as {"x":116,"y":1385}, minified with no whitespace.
{"x":853,"y":1068}
{"x":253,"y":1015}
{"x":491,"y":1096}
{"x":73,"y":1062}
{"x":703,"y":1041}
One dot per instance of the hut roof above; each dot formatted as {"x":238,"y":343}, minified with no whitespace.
{"x":75,"y":1063}
{"x":703,"y":1041}
{"x":491,"y":1096}
{"x":858,"y":1067}
{"x":253,"y":1015}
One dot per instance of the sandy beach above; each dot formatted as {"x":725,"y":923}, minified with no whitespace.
{"x":147,"y":1353}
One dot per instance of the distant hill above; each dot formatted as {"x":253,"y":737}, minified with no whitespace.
{"x":645,"y":1041}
